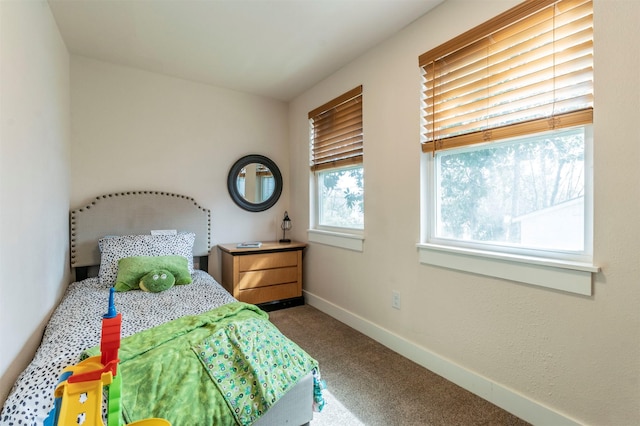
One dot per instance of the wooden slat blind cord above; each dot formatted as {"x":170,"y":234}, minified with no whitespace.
{"x":336,"y":132}
{"x":528,"y":69}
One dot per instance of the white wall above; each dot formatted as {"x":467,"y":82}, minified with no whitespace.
{"x":135,"y":130}
{"x":547,"y":356}
{"x":34,"y":178}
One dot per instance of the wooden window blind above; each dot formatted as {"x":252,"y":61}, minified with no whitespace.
{"x":336,"y":132}
{"x":527,"y":70}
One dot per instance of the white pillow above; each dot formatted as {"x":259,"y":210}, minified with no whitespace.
{"x":112,"y":249}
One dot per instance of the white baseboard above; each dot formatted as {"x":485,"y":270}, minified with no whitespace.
{"x":505,"y":398}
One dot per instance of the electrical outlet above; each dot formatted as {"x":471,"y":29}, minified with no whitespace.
{"x":395,"y":299}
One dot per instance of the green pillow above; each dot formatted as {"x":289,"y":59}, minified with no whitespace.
{"x":132,"y":269}
{"x":157,"y":281}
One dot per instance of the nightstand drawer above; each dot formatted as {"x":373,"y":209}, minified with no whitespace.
{"x":267,"y":277}
{"x":268,"y":294}
{"x":252,"y":262}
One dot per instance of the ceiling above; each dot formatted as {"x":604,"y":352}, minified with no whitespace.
{"x":273,"y":48}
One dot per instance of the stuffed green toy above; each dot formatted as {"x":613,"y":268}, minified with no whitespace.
{"x":131,"y":270}
{"x":157,"y":281}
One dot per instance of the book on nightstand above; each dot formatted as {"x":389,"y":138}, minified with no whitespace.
{"x":250,"y":244}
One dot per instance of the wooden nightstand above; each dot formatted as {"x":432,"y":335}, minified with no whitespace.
{"x":270,"y":276}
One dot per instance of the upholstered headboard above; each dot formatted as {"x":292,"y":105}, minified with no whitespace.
{"x":135,"y":212}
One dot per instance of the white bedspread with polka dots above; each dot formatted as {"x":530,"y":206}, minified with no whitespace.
{"x":76,"y":324}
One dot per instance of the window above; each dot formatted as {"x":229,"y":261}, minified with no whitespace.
{"x":267,"y":182}
{"x":526,"y":193}
{"x":341,"y":197}
{"x":336,"y":164}
{"x":506,"y":139}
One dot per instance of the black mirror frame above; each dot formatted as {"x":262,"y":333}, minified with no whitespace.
{"x":233,"y":188}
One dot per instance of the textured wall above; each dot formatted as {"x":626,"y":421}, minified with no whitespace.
{"x":135,"y":130}
{"x":34,"y":178}
{"x":576,"y":355}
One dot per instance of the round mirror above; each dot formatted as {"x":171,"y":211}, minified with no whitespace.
{"x":254,"y":183}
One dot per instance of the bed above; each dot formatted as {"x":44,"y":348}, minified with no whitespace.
{"x":97,"y":231}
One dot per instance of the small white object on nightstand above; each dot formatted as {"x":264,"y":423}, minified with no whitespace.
{"x":250,"y":244}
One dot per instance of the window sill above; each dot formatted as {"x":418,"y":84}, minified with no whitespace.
{"x":572,"y":277}
{"x":353,"y":242}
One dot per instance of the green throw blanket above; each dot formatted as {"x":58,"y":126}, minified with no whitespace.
{"x":199,"y":369}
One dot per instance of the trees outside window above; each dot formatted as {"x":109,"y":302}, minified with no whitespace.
{"x":526,"y":192}
{"x":341,"y":197}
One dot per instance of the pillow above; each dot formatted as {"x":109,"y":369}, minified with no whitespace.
{"x":157,"y":281}
{"x":132,"y":269}
{"x":112,"y":249}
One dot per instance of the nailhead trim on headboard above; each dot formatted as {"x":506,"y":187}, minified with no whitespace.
{"x":74,"y":213}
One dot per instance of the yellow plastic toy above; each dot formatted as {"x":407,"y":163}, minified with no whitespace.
{"x":78,"y":395}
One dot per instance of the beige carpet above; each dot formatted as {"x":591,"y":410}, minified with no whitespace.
{"x":369,"y":384}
